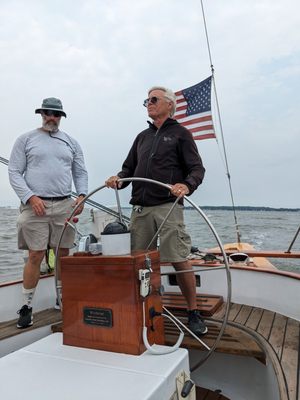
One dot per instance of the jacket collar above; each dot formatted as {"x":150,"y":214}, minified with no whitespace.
{"x":168,"y":121}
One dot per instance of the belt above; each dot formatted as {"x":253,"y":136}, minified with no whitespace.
{"x":55,"y":198}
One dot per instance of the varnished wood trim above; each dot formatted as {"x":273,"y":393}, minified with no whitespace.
{"x":11,"y":283}
{"x":262,"y":253}
{"x":287,"y":274}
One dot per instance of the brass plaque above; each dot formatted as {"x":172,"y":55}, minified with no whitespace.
{"x":98,"y":316}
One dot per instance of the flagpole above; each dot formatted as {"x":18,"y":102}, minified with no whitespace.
{"x":221,"y":126}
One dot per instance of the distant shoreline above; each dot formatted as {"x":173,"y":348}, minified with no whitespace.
{"x":220,"y":208}
{"x":248,"y":208}
{"x":240,"y":208}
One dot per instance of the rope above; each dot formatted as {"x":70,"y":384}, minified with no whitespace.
{"x":221,"y":125}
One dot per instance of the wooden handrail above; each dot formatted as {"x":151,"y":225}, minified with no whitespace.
{"x":261,"y":253}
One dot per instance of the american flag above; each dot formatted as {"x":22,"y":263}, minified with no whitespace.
{"x":193,"y":110}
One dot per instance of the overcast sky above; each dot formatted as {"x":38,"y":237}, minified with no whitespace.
{"x":100,"y":57}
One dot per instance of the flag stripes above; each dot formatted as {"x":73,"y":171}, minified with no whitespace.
{"x":194,"y":110}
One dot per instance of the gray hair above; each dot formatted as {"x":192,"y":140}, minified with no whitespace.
{"x":169,"y":94}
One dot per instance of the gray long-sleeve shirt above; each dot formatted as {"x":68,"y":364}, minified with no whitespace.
{"x":44,"y":165}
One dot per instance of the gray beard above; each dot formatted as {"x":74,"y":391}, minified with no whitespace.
{"x":50,"y":126}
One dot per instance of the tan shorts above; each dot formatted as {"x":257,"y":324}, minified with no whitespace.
{"x":36,"y":233}
{"x":174,"y":241}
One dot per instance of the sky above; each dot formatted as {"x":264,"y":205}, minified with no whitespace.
{"x":101,"y":57}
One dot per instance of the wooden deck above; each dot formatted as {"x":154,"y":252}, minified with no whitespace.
{"x":207,"y":304}
{"x":43,"y":318}
{"x":255,"y":332}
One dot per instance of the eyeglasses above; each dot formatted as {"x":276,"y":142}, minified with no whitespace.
{"x":151,"y":100}
{"x":50,"y":113}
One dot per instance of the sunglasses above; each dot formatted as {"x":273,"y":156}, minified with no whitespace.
{"x":151,"y":100}
{"x":50,"y":113}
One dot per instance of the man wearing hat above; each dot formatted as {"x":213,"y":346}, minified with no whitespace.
{"x":41,"y":168}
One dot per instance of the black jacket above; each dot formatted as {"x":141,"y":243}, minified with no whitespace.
{"x":168,"y":155}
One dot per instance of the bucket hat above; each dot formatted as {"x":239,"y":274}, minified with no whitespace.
{"x":51,"y":103}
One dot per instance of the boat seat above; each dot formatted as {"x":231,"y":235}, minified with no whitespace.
{"x":207,"y":304}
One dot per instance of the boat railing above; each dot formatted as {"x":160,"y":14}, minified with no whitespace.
{"x":261,"y":253}
{"x":293,"y":240}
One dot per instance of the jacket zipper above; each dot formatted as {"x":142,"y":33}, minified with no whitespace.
{"x":152,"y":152}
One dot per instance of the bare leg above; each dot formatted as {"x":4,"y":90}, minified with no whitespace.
{"x":187,"y":284}
{"x":31,"y":273}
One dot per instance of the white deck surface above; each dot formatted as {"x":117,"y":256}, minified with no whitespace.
{"x":47,"y":369}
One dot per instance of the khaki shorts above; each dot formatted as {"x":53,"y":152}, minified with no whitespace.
{"x":174,"y":241}
{"x":36,"y":233}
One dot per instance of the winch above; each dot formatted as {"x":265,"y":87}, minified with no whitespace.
{"x":85,"y":241}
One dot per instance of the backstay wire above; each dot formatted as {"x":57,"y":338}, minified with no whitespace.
{"x":221,"y":127}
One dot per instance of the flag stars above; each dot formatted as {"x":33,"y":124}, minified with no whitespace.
{"x":198,"y":97}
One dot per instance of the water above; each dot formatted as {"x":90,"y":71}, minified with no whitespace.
{"x":267,"y":230}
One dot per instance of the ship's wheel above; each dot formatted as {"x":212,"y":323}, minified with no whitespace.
{"x":224,"y":266}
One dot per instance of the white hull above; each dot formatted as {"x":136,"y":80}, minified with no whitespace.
{"x":239,"y":377}
{"x":271,"y":290}
{"x":261,"y":288}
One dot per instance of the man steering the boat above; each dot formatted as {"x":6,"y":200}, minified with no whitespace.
{"x":166,"y":152}
{"x":42,"y":164}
